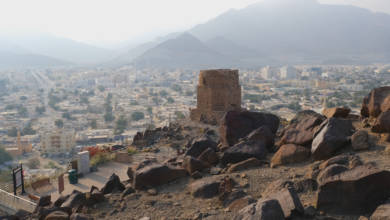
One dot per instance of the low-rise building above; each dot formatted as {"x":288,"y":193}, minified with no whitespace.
{"x":57,"y":141}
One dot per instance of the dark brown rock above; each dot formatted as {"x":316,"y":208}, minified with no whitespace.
{"x":262,"y":135}
{"x":333,"y":135}
{"x":199,"y":145}
{"x":382,"y":123}
{"x":289,"y":201}
{"x":350,"y":161}
{"x":302,"y":128}
{"x":207,"y":187}
{"x":44,"y":200}
{"x":360,"y":140}
{"x":243,"y":151}
{"x":266,"y":209}
{"x":236,"y":125}
{"x":192,"y":164}
{"x":329,"y":172}
{"x":113,"y":185}
{"x":337,"y":112}
{"x":74,"y":200}
{"x":381,"y":213}
{"x":376,"y":102}
{"x":246,"y":164}
{"x":209,"y":156}
{"x":356,"y":191}
{"x":95,"y":197}
{"x":156,"y":174}
{"x":290,"y":153}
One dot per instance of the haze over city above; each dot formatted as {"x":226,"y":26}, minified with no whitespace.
{"x":195,"y":109}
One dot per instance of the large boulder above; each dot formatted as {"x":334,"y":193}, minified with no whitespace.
{"x":377,"y":101}
{"x":209,"y":156}
{"x":333,"y":135}
{"x":207,"y":187}
{"x":381,"y":213}
{"x":262,"y":135}
{"x":382,"y":123}
{"x":113,"y":185}
{"x":289,"y":201}
{"x":192,"y":164}
{"x":243,"y":151}
{"x":337,"y":112}
{"x":360,"y":140}
{"x":356,"y":191}
{"x":302,"y":128}
{"x":266,"y":209}
{"x":199,"y":145}
{"x":238,"y":124}
{"x":290,"y":153}
{"x":156,"y":174}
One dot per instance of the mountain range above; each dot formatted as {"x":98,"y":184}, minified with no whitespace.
{"x":265,"y":33}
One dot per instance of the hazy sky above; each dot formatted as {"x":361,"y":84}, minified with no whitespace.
{"x":109,"y":21}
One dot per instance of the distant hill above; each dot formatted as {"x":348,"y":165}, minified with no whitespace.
{"x":183,"y":51}
{"x":55,"y":47}
{"x":279,"y":32}
{"x":303,"y":31}
{"x":13,"y":60}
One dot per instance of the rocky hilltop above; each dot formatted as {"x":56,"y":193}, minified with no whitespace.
{"x":252,"y":165}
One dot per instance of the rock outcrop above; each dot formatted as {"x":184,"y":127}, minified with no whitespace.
{"x":332,"y":136}
{"x":302,"y":128}
{"x":377,"y":101}
{"x":357,"y":191}
{"x":236,"y":125}
{"x":156,"y":174}
{"x":290,"y":153}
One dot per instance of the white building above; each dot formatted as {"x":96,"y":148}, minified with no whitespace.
{"x":288,"y":72}
{"x":57,"y":141}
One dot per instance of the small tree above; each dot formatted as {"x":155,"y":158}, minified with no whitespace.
{"x":4,"y":156}
{"x":93,"y":124}
{"x":120,"y":125}
{"x":13,"y":132}
{"x":40,"y":110}
{"x":59,"y":123}
{"x":136,"y":116}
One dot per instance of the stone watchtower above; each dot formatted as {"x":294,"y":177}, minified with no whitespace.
{"x":218,"y":91}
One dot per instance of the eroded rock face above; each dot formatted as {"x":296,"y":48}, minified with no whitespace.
{"x":330,"y":171}
{"x":337,"y":112}
{"x":357,"y":191}
{"x":382,"y":123}
{"x":333,"y":135}
{"x":236,"y":125}
{"x":156,"y":174}
{"x":209,"y":156}
{"x":218,"y":91}
{"x":302,"y":128}
{"x":290,"y":153}
{"x":377,"y":101}
{"x":268,"y":209}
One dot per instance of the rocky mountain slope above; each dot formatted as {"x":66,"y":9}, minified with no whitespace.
{"x":252,"y":166}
